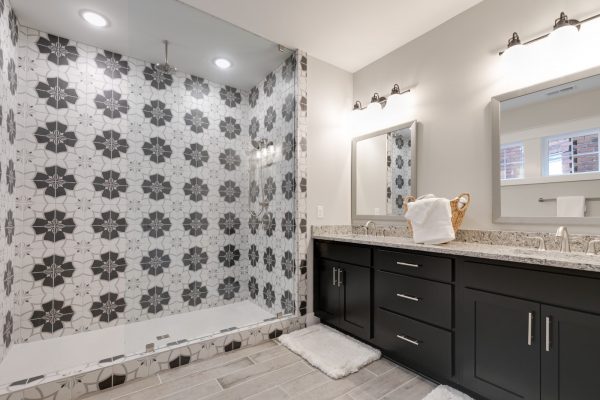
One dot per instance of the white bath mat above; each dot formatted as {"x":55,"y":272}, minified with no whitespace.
{"x":444,"y":392}
{"x":334,"y":353}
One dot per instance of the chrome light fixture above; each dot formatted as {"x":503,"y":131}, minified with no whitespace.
{"x":563,"y":25}
{"x":376,"y":99}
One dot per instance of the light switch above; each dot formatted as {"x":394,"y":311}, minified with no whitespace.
{"x":320,"y":212}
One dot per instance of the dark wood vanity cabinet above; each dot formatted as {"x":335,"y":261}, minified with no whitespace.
{"x":497,"y":330}
{"x":343,"y":290}
{"x":518,"y":335}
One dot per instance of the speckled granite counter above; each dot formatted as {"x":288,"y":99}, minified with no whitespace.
{"x":578,"y":261}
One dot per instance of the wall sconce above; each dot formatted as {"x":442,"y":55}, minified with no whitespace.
{"x":563,"y":30}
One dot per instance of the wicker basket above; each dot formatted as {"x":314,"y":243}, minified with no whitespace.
{"x":458,"y":205}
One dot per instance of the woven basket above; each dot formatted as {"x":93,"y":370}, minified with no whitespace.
{"x":458,"y":206}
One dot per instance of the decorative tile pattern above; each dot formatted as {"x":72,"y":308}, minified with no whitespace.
{"x":8,"y":175}
{"x":132,"y":189}
{"x":138,"y":190}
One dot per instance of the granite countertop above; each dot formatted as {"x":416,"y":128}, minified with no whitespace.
{"x":575,"y":260}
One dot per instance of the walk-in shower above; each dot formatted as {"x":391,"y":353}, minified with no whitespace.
{"x":147,"y":207}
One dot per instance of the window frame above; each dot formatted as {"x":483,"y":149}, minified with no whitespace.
{"x":545,"y":142}
{"x":521,"y":145}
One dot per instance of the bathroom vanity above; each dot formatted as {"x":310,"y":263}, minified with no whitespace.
{"x":495,"y":321}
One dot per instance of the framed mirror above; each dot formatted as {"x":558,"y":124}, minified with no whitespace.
{"x":384,"y":172}
{"x":546,"y":164}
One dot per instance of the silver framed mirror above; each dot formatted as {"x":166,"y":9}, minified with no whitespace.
{"x":545,"y":155}
{"x":384,"y":172}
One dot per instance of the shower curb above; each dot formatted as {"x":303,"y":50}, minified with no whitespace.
{"x":78,"y":382}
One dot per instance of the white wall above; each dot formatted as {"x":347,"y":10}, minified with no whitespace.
{"x":328,"y":159}
{"x":456,"y":71}
{"x":329,"y":143}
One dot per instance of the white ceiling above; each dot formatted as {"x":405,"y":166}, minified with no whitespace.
{"x":347,"y":33}
{"x":137,"y":28}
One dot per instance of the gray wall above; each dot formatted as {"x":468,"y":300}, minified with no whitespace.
{"x":456,"y":71}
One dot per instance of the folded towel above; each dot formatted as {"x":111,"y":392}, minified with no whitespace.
{"x":570,"y":206}
{"x":431,"y":219}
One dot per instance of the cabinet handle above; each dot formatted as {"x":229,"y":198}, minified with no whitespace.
{"x":530,"y":329}
{"x":340,"y":274}
{"x":406,"y":339}
{"x":407,"y":264}
{"x":334,"y":272}
{"x":548,"y":323}
{"x":407,"y":297}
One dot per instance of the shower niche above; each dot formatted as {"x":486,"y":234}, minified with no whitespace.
{"x":155,"y":207}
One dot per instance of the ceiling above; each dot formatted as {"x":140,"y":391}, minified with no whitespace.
{"x":349,"y":34}
{"x":137,"y":28}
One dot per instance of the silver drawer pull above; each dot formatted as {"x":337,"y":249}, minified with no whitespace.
{"x":548,"y":324}
{"x":404,"y":296}
{"x":407,"y":264}
{"x":529,"y":329}
{"x":411,"y":341}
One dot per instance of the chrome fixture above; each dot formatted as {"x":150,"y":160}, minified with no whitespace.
{"x":561,"y":22}
{"x":565,"y":242}
{"x":165,"y":67}
{"x":591,"y":250}
{"x":369,"y":223}
{"x":382,"y":100}
{"x":264,"y":151}
{"x":514,"y":40}
{"x":541,"y":245}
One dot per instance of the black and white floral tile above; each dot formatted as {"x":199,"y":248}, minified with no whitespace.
{"x":8,"y":110}
{"x":398,"y":169}
{"x":133,"y":190}
{"x":272,"y":238}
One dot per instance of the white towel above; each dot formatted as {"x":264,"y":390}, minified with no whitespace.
{"x":570,"y":206}
{"x":431,"y":219}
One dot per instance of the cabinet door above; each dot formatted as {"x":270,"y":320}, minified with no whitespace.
{"x":498,"y":354}
{"x":355,"y":300}
{"x":327,"y":291}
{"x":570,"y":354}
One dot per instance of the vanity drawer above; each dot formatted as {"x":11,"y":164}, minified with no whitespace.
{"x":430,"y":267}
{"x":417,"y":298}
{"x":417,"y":345}
{"x":348,"y":253}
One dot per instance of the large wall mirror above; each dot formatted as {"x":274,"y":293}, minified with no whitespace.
{"x":384,"y":171}
{"x":545,"y":148}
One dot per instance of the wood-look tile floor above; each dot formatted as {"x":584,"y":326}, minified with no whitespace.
{"x":271,"y":372}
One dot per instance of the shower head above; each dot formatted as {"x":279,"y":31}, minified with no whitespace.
{"x":165,"y":67}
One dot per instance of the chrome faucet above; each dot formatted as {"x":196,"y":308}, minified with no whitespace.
{"x":591,"y":250}
{"x":565,"y":242}
{"x":369,"y":223}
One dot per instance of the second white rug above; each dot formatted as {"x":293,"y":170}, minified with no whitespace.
{"x":443,"y":392}
{"x":332,"y":352}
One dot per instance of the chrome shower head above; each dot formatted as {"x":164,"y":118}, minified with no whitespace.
{"x":165,"y":67}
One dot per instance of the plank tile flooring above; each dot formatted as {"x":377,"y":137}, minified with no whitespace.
{"x":270,"y":372}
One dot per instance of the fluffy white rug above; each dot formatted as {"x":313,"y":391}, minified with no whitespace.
{"x":443,"y":392}
{"x":334,"y":353}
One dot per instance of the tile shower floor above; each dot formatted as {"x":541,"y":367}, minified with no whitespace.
{"x":64,"y":353}
{"x":270,"y":371}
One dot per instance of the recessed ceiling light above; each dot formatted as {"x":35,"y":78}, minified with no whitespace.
{"x":95,"y":19}
{"x":222,"y":63}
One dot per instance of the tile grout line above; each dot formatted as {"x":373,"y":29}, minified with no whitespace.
{"x":398,"y":387}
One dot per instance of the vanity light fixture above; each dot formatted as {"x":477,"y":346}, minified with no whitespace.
{"x":563,"y":27}
{"x":94,"y":19}
{"x":381,"y":101}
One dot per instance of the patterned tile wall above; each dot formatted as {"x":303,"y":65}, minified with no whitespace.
{"x":133,"y":191}
{"x":9,"y":34}
{"x":272,"y":222}
{"x":399,"y":167}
